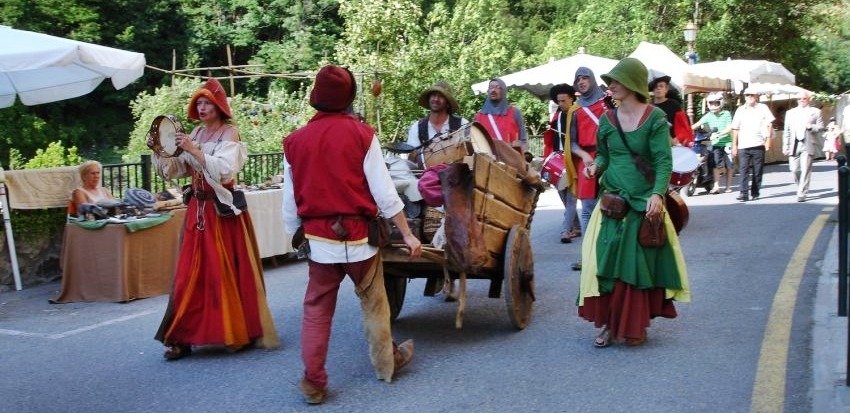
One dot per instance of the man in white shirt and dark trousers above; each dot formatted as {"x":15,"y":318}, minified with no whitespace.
{"x":799,"y":142}
{"x":752,"y":126}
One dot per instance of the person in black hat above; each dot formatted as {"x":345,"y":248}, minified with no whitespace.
{"x":442,"y":106}
{"x":557,"y":139}
{"x":669,"y":100}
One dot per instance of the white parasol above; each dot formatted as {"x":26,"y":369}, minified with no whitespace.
{"x":661,"y":61}
{"x":40,"y":68}
{"x":721,"y":75}
{"x":538,"y":80}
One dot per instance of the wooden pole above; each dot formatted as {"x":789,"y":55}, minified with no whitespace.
{"x":230,"y":71}
{"x":173,"y":65}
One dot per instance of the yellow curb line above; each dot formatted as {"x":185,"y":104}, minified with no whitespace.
{"x":769,"y":387}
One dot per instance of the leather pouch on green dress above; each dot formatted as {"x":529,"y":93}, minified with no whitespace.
{"x":613,"y":206}
{"x":651,"y":233}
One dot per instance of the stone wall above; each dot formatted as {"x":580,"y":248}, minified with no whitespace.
{"x":38,"y":259}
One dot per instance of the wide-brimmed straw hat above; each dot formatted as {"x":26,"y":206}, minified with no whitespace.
{"x":442,"y":87}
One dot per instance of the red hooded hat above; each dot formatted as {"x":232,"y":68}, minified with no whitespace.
{"x":213,"y":91}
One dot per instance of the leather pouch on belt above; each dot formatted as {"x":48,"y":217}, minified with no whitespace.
{"x":613,"y":206}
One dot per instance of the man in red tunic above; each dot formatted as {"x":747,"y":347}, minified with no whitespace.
{"x":583,"y":140}
{"x":502,"y":120}
{"x":334,"y":209}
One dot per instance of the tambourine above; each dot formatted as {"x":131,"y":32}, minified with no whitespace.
{"x":163,"y":133}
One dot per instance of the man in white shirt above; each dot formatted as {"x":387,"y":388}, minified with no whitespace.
{"x":441,"y":119}
{"x":752,"y":126}
{"x":800,"y":142}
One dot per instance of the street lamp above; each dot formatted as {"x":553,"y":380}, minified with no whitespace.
{"x":690,"y":33}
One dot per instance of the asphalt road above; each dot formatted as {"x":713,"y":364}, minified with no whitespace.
{"x":101,"y":357}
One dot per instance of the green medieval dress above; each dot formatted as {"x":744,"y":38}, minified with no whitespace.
{"x":623,"y":284}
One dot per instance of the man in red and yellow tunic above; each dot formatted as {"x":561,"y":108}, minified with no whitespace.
{"x":583,"y":140}
{"x":335,"y":181}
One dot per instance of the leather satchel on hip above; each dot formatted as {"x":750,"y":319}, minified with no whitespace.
{"x":651,"y":233}
{"x":379,"y":232}
{"x":613,"y":206}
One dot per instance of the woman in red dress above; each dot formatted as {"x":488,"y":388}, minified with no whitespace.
{"x":219,"y":295}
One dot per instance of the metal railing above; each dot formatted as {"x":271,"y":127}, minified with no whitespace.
{"x":118,"y":177}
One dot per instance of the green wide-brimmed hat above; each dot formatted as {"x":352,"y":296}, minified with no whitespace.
{"x":442,"y":87}
{"x":630,"y":73}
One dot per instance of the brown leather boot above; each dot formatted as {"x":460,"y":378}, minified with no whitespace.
{"x":403,"y":355}
{"x":312,"y":394}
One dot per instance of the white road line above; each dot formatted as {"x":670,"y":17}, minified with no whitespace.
{"x":69,"y":333}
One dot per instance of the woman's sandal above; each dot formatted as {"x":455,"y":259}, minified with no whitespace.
{"x":603,"y":339}
{"x":177,"y":351}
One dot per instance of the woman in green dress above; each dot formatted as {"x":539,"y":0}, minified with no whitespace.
{"x":624,"y":284}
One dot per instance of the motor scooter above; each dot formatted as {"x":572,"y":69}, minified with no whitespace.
{"x":704,"y":174}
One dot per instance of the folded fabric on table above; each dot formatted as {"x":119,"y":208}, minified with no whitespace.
{"x":90,"y":224}
{"x":130,"y":226}
{"x":145,"y":223}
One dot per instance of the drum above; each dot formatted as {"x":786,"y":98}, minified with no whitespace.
{"x":163,"y":132}
{"x":554,"y":170}
{"x":685,"y":162}
{"x":452,"y":147}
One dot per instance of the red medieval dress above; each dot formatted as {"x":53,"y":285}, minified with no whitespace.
{"x":219,"y":294}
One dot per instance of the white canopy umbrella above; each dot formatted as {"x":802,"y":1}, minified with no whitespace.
{"x":661,"y":61}
{"x":39,"y":68}
{"x":720,"y":75}
{"x":538,"y":80}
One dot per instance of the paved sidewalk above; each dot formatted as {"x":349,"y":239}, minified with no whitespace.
{"x":829,"y":338}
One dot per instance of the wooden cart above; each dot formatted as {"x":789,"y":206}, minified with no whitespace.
{"x":488,"y":215}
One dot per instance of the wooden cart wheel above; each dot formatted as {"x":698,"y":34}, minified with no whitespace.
{"x":396,"y":288}
{"x":518,"y":278}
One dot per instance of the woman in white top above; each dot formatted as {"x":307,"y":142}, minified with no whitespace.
{"x":90,"y":190}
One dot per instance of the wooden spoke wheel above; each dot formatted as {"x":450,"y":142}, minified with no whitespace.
{"x":396,"y":288}
{"x":518,"y":280}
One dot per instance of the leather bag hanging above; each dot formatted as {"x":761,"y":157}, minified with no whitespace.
{"x":239,"y":202}
{"x":651,"y":233}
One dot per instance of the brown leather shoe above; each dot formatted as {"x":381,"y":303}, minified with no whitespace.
{"x":403,"y":355}
{"x":312,"y":395}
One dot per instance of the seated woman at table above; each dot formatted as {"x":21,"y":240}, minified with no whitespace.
{"x":90,"y":190}
{"x":219,"y":296}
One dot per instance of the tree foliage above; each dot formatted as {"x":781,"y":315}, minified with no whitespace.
{"x":406,"y":44}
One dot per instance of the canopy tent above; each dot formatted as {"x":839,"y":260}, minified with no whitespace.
{"x":538,"y":80}
{"x":661,"y":61}
{"x":40,"y":68}
{"x":732,"y":75}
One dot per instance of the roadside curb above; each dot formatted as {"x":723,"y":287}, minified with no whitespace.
{"x":829,"y":339}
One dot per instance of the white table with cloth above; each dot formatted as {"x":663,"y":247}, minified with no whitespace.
{"x":266,"y":209}
{"x":119,"y":262}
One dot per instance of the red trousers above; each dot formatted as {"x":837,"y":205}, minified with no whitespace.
{"x":320,"y":304}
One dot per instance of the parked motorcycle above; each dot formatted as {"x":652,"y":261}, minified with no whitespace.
{"x":704,"y":174}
